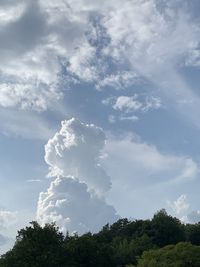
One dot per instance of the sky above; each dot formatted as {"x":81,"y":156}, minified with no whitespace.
{"x":99,"y":112}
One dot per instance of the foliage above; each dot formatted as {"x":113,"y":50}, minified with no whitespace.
{"x":179,"y":255}
{"x":166,"y":229}
{"x":193,"y":233}
{"x":162,"y":241}
{"x":36,"y":247}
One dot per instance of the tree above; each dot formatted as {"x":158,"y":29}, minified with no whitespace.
{"x":182,"y":254}
{"x":115,"y":245}
{"x":193,"y":233}
{"x":36,"y":247}
{"x":166,"y":229}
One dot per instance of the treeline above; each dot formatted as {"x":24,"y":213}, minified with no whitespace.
{"x":162,"y":241}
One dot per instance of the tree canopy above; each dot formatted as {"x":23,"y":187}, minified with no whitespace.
{"x":162,"y":241}
{"x":182,"y":254}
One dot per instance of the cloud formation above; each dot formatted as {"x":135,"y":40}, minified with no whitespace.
{"x":129,"y":107}
{"x":181,"y":209}
{"x":76,"y":198}
{"x":119,"y":81}
{"x":92,"y":42}
{"x":32,"y":46}
{"x":75,"y":150}
{"x":68,"y":202}
{"x":141,"y":172}
{"x":47,"y":46}
{"x":8,"y":223}
{"x":129,"y":104}
{"x":7,"y":218}
{"x":144,"y":160}
{"x":180,"y":205}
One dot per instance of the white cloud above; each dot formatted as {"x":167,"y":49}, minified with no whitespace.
{"x":24,"y":124}
{"x":180,"y":205}
{"x":7,"y":218}
{"x":33,"y":181}
{"x":155,"y":41}
{"x":83,"y":64}
{"x":33,"y":49}
{"x":144,"y":35}
{"x":76,"y":198}
{"x":132,"y":118}
{"x":26,"y":72}
{"x":152,"y":103}
{"x":146,"y":161}
{"x":26,"y":97}
{"x":129,"y":106}
{"x":10,"y":223}
{"x":75,"y":150}
{"x":73,"y":208}
{"x":10,"y":14}
{"x":64,"y":41}
{"x":127,"y":103}
{"x":133,"y":103}
{"x":182,"y":209}
{"x":120,"y":80}
{"x":139,"y":172}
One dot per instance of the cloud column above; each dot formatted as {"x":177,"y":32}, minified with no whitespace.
{"x":75,"y":199}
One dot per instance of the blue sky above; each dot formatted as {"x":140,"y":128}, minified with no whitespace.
{"x":99,"y":112}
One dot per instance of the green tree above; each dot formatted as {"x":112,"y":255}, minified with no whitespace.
{"x":86,"y":251}
{"x":180,"y":255}
{"x":193,"y":233}
{"x":166,"y":229}
{"x":36,"y":247}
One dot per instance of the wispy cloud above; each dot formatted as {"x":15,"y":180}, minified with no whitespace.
{"x":140,"y":171}
{"x":151,"y":43}
{"x":24,"y":124}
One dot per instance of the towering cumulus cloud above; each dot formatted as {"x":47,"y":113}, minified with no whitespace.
{"x":68,"y":202}
{"x":75,"y":200}
{"x":75,"y":151}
